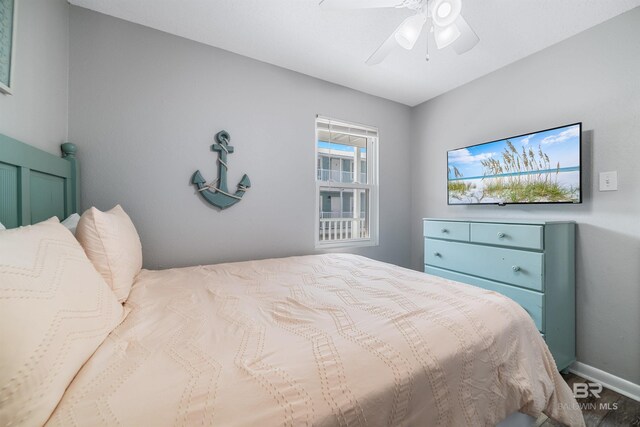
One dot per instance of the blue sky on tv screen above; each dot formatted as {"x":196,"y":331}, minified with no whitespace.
{"x":561,"y":145}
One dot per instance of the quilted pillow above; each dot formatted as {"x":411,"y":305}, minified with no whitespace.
{"x":55,"y":310}
{"x":111,"y":242}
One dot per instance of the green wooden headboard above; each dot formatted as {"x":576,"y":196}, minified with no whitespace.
{"x":36,"y":185}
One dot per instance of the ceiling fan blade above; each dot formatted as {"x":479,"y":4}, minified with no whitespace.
{"x":468,"y":38}
{"x":404,"y":35}
{"x":384,"y":50}
{"x":359,"y":4}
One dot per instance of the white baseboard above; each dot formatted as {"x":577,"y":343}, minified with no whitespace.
{"x":610,"y":381}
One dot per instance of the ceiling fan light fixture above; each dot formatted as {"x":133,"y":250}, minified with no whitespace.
{"x":446,"y":35}
{"x":445,"y":12}
{"x":409,"y":31}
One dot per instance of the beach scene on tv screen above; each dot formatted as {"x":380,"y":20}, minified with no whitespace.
{"x":541,"y":167}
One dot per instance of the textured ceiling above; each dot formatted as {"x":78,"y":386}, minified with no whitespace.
{"x":333,"y":44}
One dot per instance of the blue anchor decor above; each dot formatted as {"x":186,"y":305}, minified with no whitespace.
{"x":219,"y":196}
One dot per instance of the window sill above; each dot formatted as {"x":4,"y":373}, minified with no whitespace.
{"x":347,"y":244}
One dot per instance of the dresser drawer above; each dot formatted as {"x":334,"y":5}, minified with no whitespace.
{"x":447,"y":230}
{"x":532,"y":302}
{"x":513,"y":235}
{"x":520,"y":268}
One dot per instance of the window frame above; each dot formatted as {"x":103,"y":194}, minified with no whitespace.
{"x":372,"y":186}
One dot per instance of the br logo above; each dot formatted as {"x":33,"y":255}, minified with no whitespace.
{"x":584,"y":390}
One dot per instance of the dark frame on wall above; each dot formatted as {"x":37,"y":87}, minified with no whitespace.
{"x":8,"y":24}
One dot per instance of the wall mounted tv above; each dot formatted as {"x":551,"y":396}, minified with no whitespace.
{"x":538,"y":167}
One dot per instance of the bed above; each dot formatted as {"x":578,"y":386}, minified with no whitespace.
{"x":324,"y":340}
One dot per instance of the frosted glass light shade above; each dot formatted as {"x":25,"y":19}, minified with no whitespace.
{"x":409,"y":31}
{"x":445,"y":36}
{"x":445,"y":12}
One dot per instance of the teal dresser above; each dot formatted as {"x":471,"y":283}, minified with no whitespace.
{"x":531,"y":262}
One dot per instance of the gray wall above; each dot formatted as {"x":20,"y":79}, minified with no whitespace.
{"x":37,"y":111}
{"x":594,"y":78}
{"x":144,"y":107}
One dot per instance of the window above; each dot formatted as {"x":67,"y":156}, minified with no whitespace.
{"x":346,"y":184}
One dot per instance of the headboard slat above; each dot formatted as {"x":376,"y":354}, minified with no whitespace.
{"x":35,"y":185}
{"x":24,"y":197}
{"x":9,"y":195}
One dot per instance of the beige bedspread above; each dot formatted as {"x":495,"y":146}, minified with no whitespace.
{"x":317,"y":340}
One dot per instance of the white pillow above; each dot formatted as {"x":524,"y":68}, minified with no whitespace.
{"x":111,"y":242}
{"x":55,"y":310}
{"x":71,"y":222}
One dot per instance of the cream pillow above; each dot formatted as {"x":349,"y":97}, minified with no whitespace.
{"x":55,"y":310}
{"x":111,"y":242}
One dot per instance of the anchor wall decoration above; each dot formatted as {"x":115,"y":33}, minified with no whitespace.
{"x":219,"y":196}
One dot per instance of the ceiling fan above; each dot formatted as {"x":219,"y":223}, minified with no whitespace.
{"x":442,"y":17}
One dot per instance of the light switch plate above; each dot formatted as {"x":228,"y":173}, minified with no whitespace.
{"x":609,"y":181}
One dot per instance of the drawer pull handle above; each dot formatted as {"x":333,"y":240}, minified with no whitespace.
{"x":437,"y":254}
{"x":515,"y":268}
{"x":444,"y":230}
{"x":501,"y":235}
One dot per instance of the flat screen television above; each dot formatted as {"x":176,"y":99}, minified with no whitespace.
{"x":538,"y":167}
